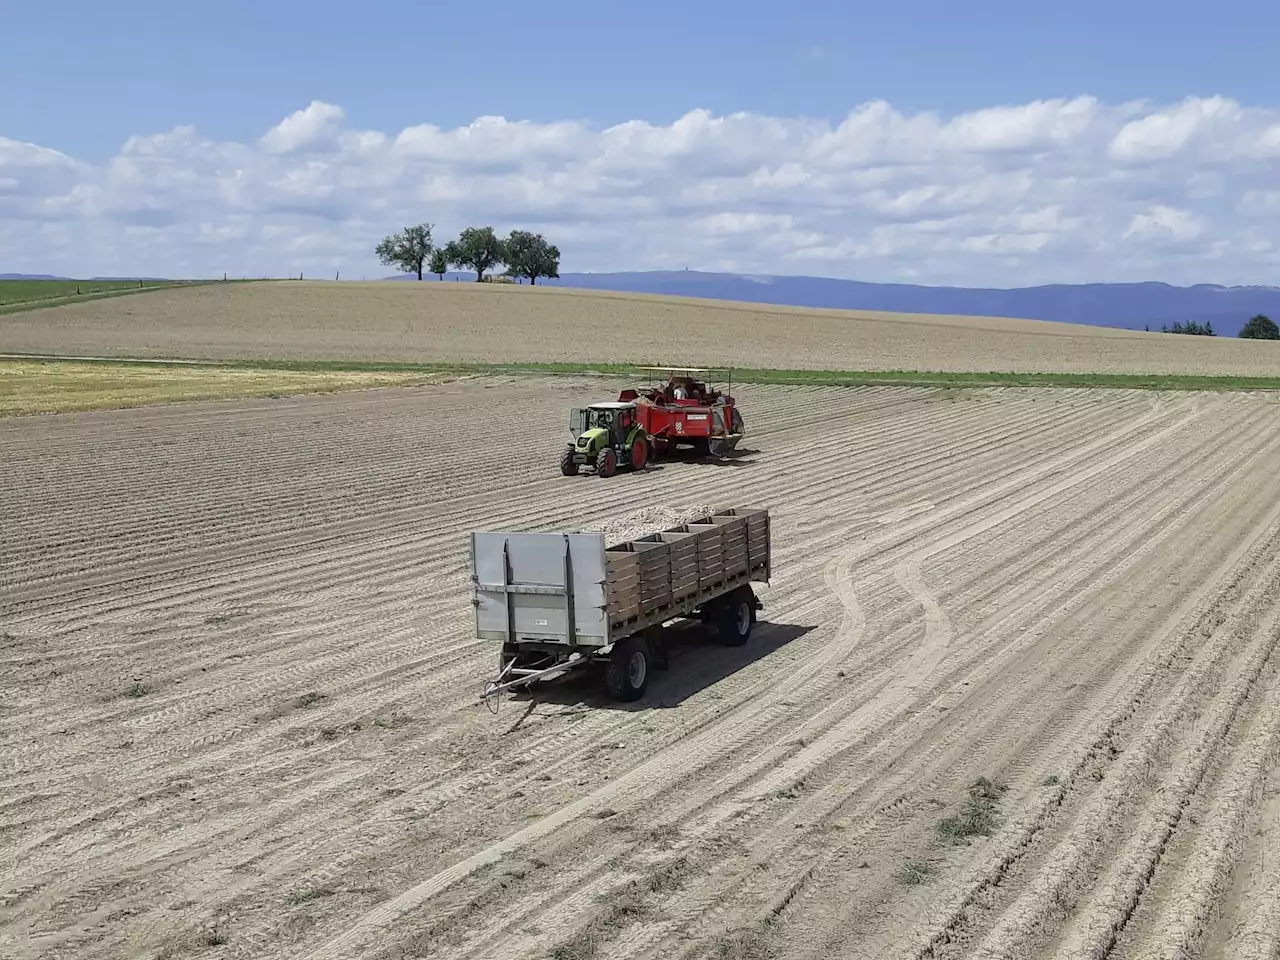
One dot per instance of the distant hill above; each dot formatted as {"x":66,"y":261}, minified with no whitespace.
{"x":1131,"y":306}
{"x":1126,"y":305}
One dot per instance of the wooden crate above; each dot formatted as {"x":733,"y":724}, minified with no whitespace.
{"x":758,"y":536}
{"x":683,"y":550}
{"x":710,"y":538}
{"x":622,"y":583}
{"x":654,"y":562}
{"x":665,"y":568}
{"x":733,"y":531}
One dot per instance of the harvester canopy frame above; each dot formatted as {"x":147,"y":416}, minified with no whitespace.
{"x":701,"y":379}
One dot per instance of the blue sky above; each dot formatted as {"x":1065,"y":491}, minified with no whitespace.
{"x":81,"y":77}
{"x":909,"y":141}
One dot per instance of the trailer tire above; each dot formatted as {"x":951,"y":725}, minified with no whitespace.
{"x":736,"y":617}
{"x":626,"y":676}
{"x":568,"y":465}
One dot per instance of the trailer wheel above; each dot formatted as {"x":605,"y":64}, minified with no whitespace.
{"x":736,"y":617}
{"x":568,"y":465}
{"x":627,"y":674}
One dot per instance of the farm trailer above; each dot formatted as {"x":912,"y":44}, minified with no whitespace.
{"x":557,"y":601}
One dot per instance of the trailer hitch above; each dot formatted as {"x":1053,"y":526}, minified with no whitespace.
{"x":495,"y":688}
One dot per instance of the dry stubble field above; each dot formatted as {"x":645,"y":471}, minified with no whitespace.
{"x":410,"y":321}
{"x":240,"y":715}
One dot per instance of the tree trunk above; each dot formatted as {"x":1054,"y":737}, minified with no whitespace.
{"x":419,"y":271}
{"x":533,"y":279}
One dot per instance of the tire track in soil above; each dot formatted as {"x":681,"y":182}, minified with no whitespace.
{"x":648,"y":776}
{"x":807,"y":861}
{"x":1201,"y":887}
{"x":947,"y":458}
{"x":760,"y":861}
{"x":517,"y":951}
{"x":1020,"y":926}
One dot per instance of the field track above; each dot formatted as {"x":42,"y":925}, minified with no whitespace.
{"x":494,"y":323}
{"x":240,"y":714}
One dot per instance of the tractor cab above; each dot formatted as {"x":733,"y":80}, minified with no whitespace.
{"x":614,"y":417}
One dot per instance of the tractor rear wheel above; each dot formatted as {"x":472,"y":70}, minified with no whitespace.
{"x":568,"y":465}
{"x":626,"y":676}
{"x":639,"y":453}
{"x":606,"y":462}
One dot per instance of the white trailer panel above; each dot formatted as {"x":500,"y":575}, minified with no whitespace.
{"x":540,"y":586}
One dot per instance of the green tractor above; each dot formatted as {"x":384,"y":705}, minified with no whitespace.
{"x":605,"y":436}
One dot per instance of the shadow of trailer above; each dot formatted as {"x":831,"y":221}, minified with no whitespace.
{"x":556,"y":602}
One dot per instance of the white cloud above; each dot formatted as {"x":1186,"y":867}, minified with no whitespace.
{"x":1054,"y":190}
{"x":1163,"y":224}
{"x":1163,"y":134}
{"x":315,"y":127}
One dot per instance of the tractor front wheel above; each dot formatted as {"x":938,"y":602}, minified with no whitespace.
{"x":639,"y":453}
{"x":606,"y":462}
{"x":568,"y":465}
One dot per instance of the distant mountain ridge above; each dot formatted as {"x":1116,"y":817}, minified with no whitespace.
{"x":1131,"y":306}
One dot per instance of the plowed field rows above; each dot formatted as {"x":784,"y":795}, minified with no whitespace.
{"x":240,"y":714}
{"x":499,"y":323}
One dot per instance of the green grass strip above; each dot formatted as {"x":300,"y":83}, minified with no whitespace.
{"x":817,"y":378}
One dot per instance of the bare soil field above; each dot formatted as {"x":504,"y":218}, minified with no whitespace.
{"x":398,"y":321}
{"x":1014,"y":691}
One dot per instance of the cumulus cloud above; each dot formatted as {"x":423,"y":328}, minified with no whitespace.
{"x":1049,"y":191}
{"x":315,"y":127}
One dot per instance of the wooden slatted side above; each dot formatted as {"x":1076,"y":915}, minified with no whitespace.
{"x":710,"y":553}
{"x":683,"y":549}
{"x":668,"y":567}
{"x":733,"y":532}
{"x":654,"y":559}
{"x":757,"y":537}
{"x":622,"y":583}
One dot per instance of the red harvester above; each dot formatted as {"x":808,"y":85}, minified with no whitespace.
{"x":684,"y":411}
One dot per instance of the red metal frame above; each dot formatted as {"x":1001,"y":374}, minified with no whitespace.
{"x":669,"y":421}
